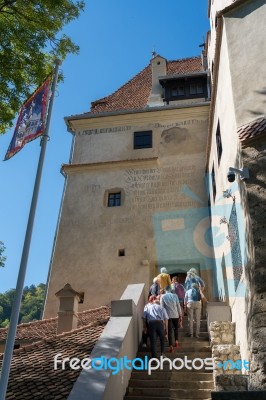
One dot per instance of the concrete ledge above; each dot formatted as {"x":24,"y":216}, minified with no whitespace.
{"x":245,"y":395}
{"x":122,"y":308}
{"x":120,"y":338}
{"x":218,"y":311}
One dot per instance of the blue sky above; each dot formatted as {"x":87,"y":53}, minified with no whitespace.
{"x":116,"y":39}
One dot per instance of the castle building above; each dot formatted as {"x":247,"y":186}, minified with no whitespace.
{"x":169,"y":170}
{"x":135,"y":188}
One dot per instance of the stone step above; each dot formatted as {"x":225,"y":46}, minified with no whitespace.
{"x":166,"y":368}
{"x":172,"y":393}
{"x":180,"y":353}
{"x":203,"y":334}
{"x":171,"y":384}
{"x":134,"y":397}
{"x":184,"y":347}
{"x":182,"y":376}
{"x":185,"y":338}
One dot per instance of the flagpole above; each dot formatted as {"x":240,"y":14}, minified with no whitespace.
{"x":25,"y":253}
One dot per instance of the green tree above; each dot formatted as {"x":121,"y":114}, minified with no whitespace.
{"x":2,"y":257}
{"x":6,"y":301}
{"x":30,"y":42}
{"x":31,"y":304}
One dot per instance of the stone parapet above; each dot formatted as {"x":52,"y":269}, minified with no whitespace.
{"x":242,"y":395}
{"x":231,"y":383}
{"x":227,"y":358}
{"x":222,"y":333}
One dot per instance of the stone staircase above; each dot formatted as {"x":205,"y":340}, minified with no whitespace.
{"x":180,"y":384}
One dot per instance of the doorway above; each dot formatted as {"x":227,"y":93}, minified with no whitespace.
{"x":181,"y":277}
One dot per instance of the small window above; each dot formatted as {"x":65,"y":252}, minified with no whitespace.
{"x":178,"y":91}
{"x":196,"y":88}
{"x":121,"y":252}
{"x":213,"y":184}
{"x":219,"y":143}
{"x":143,"y":140}
{"x":114,"y":199}
{"x":174,"y":92}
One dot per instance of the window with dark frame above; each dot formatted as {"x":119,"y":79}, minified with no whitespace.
{"x":235,"y":246}
{"x":196,"y":88}
{"x":143,"y":140}
{"x":219,"y":143}
{"x":213,"y":184}
{"x":121,"y":253}
{"x":114,"y":199}
{"x":185,"y":88}
{"x":178,"y":91}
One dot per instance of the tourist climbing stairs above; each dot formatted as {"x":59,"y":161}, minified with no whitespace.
{"x":183,"y":384}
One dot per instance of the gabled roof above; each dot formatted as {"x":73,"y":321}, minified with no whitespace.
{"x":47,"y":327}
{"x":135,"y":93}
{"x":32,"y":374}
{"x":252,"y":130}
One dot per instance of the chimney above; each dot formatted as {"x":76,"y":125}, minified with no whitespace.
{"x":158,"y":68}
{"x":68,"y":308}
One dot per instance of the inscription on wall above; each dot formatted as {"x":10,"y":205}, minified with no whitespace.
{"x":157,"y":125}
{"x":159,"y":188}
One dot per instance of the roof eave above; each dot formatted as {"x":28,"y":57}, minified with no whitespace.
{"x":134,"y":111}
{"x":180,"y":76}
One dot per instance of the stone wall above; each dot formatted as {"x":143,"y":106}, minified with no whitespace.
{"x":222,"y":333}
{"x":229,"y":366}
{"x":231,"y":383}
{"x":254,"y":157}
{"x":227,"y":358}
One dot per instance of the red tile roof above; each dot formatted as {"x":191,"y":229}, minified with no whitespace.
{"x":32,"y":374}
{"x":135,"y":93}
{"x":47,"y":327}
{"x":252,"y":130}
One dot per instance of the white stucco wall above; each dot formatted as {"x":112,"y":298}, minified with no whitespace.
{"x":215,"y":7}
{"x":239,"y":100}
{"x":159,"y":188}
{"x":247,"y":59}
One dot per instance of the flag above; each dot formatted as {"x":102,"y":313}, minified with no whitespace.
{"x":31,"y":120}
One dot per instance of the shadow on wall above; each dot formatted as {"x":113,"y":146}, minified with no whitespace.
{"x":178,"y":140}
{"x":259,"y":112}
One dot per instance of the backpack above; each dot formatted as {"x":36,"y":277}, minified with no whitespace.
{"x":195,"y":295}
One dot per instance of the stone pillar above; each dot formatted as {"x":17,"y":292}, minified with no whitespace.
{"x":68,"y":308}
{"x":229,"y":366}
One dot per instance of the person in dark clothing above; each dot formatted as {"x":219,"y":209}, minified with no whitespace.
{"x":156,"y":319}
{"x":155,"y":288}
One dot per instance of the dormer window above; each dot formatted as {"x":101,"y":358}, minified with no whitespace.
{"x":178,"y":91}
{"x":196,"y":88}
{"x":182,"y":87}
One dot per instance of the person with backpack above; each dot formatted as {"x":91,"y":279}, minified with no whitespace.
{"x":155,"y":288}
{"x":180,"y":291}
{"x":193,"y":308}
